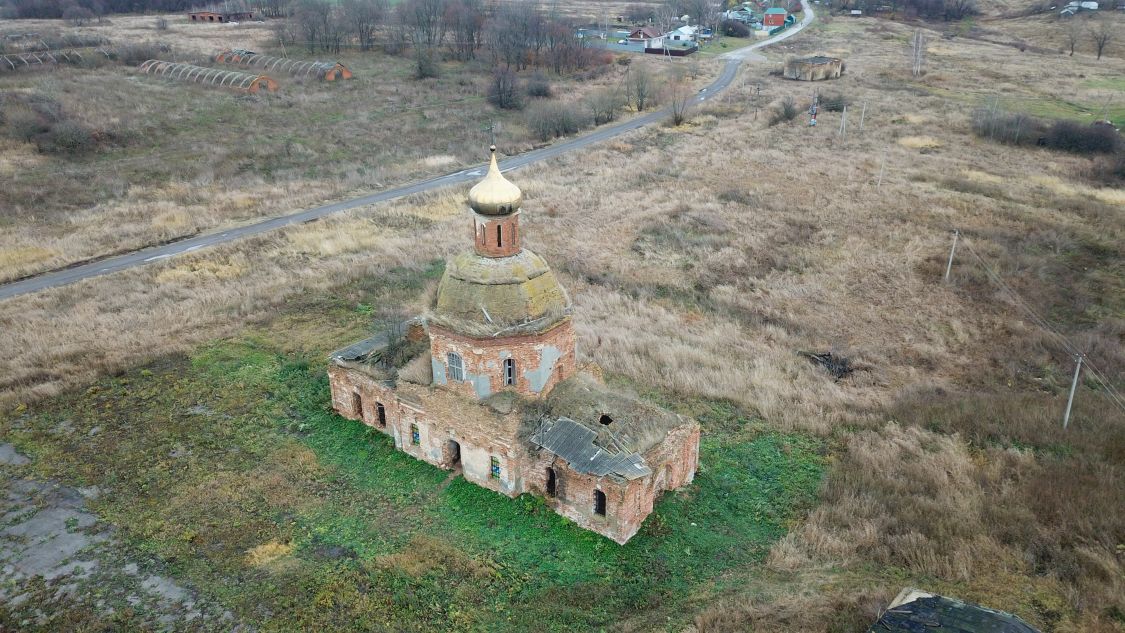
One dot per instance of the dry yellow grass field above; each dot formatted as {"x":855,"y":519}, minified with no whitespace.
{"x":702,"y":258}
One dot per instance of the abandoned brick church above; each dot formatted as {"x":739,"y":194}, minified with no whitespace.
{"x":486,"y":382}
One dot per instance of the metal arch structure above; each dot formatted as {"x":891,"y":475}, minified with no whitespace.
{"x":295,"y":67}
{"x":12,"y":61}
{"x":207,"y":76}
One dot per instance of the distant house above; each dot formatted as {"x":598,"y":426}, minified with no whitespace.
{"x":650,"y":36}
{"x":684,"y":34}
{"x":742,"y":15}
{"x":226,"y":16}
{"x":913,"y":610}
{"x":775,"y":17}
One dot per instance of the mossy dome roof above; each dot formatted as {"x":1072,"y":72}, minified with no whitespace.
{"x":482,"y":295}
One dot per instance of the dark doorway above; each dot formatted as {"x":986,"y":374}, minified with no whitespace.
{"x":357,"y":405}
{"x":454,"y":453}
{"x":552,"y":482}
{"x":599,"y":502}
{"x":382,"y":413}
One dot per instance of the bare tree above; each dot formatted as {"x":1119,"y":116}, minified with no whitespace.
{"x":918,"y":53}
{"x":465,"y":22}
{"x":504,"y":90}
{"x":1102,"y":35}
{"x":312,"y":17}
{"x":423,"y":21}
{"x":639,"y":13}
{"x":639,"y":87}
{"x":362,"y":18}
{"x":603,"y":104}
{"x":678,"y":95}
{"x":1073,"y":34}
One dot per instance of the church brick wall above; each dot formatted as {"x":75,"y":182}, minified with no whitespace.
{"x":484,"y":234}
{"x":440,"y":416}
{"x":541,"y":360}
{"x":628,"y":503}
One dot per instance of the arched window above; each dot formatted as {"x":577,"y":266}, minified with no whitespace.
{"x":599,"y":502}
{"x":456,"y":367}
{"x":357,"y":405}
{"x":509,"y":371}
{"x":499,"y":235}
{"x":552,"y":482}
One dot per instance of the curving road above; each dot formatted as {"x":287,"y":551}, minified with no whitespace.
{"x":115,"y":263}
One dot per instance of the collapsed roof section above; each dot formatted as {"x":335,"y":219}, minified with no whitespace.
{"x":574,"y":443}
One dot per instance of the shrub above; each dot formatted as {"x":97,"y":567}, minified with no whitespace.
{"x":1109,"y":169}
{"x":503,"y":91}
{"x":1012,"y":129}
{"x":734,"y":28}
{"x":551,"y":120}
{"x":70,"y":137}
{"x":834,"y":102}
{"x":426,"y":66}
{"x":161,"y":24}
{"x":78,"y":16}
{"x":603,"y":104}
{"x":538,"y":86}
{"x":1082,"y":139}
{"x":134,"y":54}
{"x":24,"y":125}
{"x":787,"y":110}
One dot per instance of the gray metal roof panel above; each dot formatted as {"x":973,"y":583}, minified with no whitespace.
{"x":575,"y":443}
{"x":361,"y":348}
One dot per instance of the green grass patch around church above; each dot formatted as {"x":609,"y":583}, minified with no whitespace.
{"x":227,"y":470}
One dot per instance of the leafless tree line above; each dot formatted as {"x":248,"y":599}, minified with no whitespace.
{"x":515,"y":35}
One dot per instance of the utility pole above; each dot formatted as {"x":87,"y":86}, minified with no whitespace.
{"x":844,"y":123}
{"x":949,"y":266}
{"x":861,"y":114}
{"x":1073,"y":388}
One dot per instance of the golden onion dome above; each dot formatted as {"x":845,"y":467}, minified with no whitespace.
{"x":495,"y":195}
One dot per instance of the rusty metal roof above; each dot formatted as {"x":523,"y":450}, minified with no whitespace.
{"x":574,"y":443}
{"x":362,"y":349}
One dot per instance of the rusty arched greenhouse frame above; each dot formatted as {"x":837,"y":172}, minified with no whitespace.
{"x":248,"y":82}
{"x":328,"y":71}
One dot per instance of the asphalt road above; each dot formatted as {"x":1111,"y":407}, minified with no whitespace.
{"x":96,"y":268}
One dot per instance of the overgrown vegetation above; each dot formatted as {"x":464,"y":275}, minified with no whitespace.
{"x":552,"y":120}
{"x":259,"y":445}
{"x":786,"y":110}
{"x":1100,"y":141}
{"x":35,"y":118}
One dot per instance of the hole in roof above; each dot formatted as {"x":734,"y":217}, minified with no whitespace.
{"x":605,"y":419}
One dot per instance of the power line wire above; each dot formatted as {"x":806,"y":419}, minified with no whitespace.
{"x":1046,"y":325}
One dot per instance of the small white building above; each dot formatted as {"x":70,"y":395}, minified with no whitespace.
{"x":685,"y":33}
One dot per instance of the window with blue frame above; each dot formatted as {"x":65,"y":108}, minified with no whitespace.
{"x":495,"y":468}
{"x":456,"y":367}
{"x":415,"y":435}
